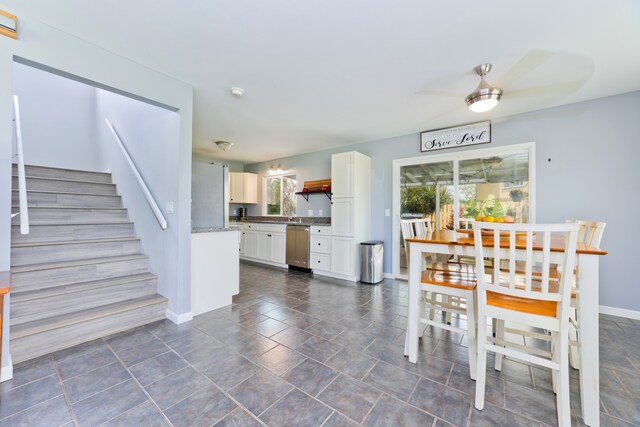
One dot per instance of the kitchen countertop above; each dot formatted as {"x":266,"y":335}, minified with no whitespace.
{"x":212,"y":229}
{"x":319,"y":221}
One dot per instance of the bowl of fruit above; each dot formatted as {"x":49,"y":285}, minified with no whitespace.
{"x":506,"y":218}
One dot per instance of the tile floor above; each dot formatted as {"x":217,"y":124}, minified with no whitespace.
{"x":295,"y":349}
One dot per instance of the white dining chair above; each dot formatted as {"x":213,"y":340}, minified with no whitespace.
{"x":534,"y":301}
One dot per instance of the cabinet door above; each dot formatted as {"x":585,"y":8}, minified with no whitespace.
{"x":250,"y":187}
{"x":342,"y":175}
{"x":236,"y":187}
{"x":250,"y":243}
{"x":278,"y":243}
{"x":264,"y":245}
{"x":342,"y":217}
{"x":342,"y":256}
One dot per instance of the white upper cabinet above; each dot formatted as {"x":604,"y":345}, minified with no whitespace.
{"x":243,"y":187}
{"x":342,"y":175}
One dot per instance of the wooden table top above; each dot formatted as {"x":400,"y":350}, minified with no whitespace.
{"x":450,"y":237}
{"x":5,"y":282}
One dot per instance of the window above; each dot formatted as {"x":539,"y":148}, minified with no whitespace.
{"x":280,"y":197}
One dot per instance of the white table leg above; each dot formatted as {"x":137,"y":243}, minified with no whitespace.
{"x":415,"y":264}
{"x":589,"y":339}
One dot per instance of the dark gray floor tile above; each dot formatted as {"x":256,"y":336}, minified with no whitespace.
{"x":259,"y":391}
{"x":250,"y":318}
{"x":319,"y":349}
{"x":127,"y":339}
{"x":145,"y":415}
{"x":441,"y":401}
{"x":494,"y":386}
{"x":86,"y":363}
{"x":355,"y":323}
{"x":352,"y":363}
{"x":108,"y":404}
{"x":78,"y":350}
{"x":85,"y":385}
{"x":142,"y":352}
{"x":254,"y":346}
{"x":177,"y":386}
{"x":452,"y":352}
{"x":193,"y":340}
{"x":326,"y":330}
{"x":430,"y":367}
{"x":353,"y":339}
{"x":270,"y":327}
{"x":383,"y":331}
{"x":625,"y":408}
{"x":383,"y":317}
{"x":239,"y":418}
{"x":279,"y":359}
{"x":537,"y":404}
{"x":512,"y":371}
{"x":292,"y":337}
{"x":301,"y":320}
{"x":263,"y":307}
{"x":20,"y":398}
{"x":166,"y":330}
{"x":310,"y":376}
{"x":157,"y":367}
{"x":391,"y":412}
{"x":231,"y":370}
{"x":395,"y":381}
{"x":52,"y":412}
{"x":204,"y":408}
{"x":339,"y":420}
{"x":340,"y":396}
{"x":204,"y":357}
{"x":492,"y":416}
{"x":27,"y":372}
{"x":296,"y":408}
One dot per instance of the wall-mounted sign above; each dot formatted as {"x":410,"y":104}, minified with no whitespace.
{"x":459,"y":136}
{"x":8,"y":24}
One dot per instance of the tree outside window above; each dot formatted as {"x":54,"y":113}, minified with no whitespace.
{"x":281,"y":197}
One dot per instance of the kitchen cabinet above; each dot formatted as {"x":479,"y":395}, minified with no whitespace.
{"x":342,"y":217}
{"x":343,"y":256}
{"x":320,"y":249}
{"x":278,"y":248}
{"x":342,"y":174}
{"x":243,"y":187}
{"x":250,"y":243}
{"x":264,"y":243}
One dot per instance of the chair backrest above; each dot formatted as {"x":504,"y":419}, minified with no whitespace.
{"x":510,"y":237}
{"x":590,"y":231}
{"x":413,"y":228}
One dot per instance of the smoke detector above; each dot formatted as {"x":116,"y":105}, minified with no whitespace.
{"x":238,"y":92}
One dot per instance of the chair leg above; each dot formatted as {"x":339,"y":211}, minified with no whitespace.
{"x":471,"y":333}
{"x":562,"y":379}
{"x":499,"y":335}
{"x":448,"y":301}
{"x":574,"y":351}
{"x":433,"y":299}
{"x":481,"y":366}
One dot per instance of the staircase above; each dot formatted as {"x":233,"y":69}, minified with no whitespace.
{"x":79,"y":274}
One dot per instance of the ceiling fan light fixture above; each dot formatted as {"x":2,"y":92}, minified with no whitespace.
{"x":485,"y":97}
{"x":224,"y":145}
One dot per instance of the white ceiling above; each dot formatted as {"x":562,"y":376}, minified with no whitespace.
{"x":324,"y":73}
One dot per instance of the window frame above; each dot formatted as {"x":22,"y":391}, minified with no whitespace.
{"x":265,"y":210}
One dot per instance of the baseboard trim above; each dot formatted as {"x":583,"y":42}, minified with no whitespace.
{"x":388,"y":276}
{"x":179,"y":318}
{"x":620,"y":312}
{"x":6,"y":373}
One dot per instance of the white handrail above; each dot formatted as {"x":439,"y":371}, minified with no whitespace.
{"x":145,"y":190}
{"x":22,"y":181}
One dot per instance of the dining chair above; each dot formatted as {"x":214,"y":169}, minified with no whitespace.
{"x":527,"y":300}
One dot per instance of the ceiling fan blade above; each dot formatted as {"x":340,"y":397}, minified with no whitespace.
{"x":440,"y":93}
{"x":529,"y":62}
{"x":558,"y":89}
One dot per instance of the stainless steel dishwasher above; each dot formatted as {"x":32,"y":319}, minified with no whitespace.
{"x":298,"y":246}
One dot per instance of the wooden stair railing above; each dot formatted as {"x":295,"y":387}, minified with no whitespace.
{"x":5,"y":282}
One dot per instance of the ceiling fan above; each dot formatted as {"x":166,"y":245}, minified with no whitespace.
{"x":487,"y":96}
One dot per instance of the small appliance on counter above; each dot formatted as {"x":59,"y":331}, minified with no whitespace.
{"x":242,"y":214}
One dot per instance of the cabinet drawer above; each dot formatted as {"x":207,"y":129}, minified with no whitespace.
{"x":320,"y":262}
{"x":321,"y":244}
{"x":317,"y":230}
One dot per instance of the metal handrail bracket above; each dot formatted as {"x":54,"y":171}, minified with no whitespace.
{"x":22,"y":180}
{"x":143,"y":186}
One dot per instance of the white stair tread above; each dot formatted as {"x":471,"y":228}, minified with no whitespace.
{"x":21,"y":296}
{"x":73,"y":242}
{"x":43,"y":325}
{"x":72,"y":263}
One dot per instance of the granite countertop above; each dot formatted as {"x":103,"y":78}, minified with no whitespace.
{"x":326,"y":221}
{"x":212,"y":229}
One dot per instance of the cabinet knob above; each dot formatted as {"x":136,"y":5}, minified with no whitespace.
{"x":318,"y":244}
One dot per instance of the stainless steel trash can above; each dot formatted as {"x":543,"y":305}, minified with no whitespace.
{"x":371,"y":259}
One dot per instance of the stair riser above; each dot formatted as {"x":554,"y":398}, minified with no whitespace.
{"x":59,"y":233}
{"x":40,"y":184}
{"x":44,"y":172}
{"x":68,"y":200}
{"x":41,"y":308}
{"x":35,"y":345}
{"x":44,"y":216}
{"x":80,"y":251}
{"x":43,"y":279}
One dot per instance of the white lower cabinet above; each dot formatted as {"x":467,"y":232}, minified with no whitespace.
{"x":320,"y":249}
{"x":264,"y":242}
{"x":250,"y":243}
{"x":342,"y":256}
{"x":321,"y":262}
{"x":264,"y":246}
{"x":278,"y":247}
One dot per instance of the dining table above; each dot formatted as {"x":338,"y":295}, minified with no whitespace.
{"x":461,"y":243}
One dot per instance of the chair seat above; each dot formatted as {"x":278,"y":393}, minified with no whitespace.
{"x":524,"y":305}
{"x":452,"y":279}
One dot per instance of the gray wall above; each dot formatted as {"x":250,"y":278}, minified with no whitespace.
{"x":57,"y":117}
{"x":592,"y":175}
